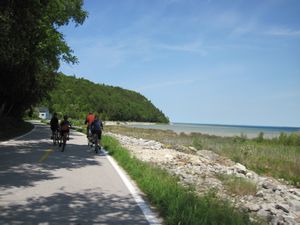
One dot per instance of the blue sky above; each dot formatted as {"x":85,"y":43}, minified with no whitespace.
{"x":199,"y":61}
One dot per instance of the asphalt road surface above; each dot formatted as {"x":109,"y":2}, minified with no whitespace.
{"x":39,"y":184}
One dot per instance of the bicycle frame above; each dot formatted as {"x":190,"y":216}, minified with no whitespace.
{"x":96,"y":142}
{"x":63,"y":140}
{"x":55,"y":137}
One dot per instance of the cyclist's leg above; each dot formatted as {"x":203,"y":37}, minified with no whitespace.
{"x":88,"y":131}
{"x":60,"y":137}
{"x":93,"y":132}
{"x":52,"y":135}
{"x":65,"y":137}
{"x":99,"y":138}
{"x":57,"y":134}
{"x":96,"y":139}
{"x":95,"y":135}
{"x":65,"y":134}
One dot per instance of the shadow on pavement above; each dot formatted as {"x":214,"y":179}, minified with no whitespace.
{"x":89,"y":207}
{"x":32,"y":159}
{"x":25,"y":161}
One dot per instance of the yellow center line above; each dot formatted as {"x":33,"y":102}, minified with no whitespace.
{"x":45,"y":155}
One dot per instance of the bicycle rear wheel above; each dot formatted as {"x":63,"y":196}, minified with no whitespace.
{"x":55,"y":138}
{"x":63,"y":146}
{"x":96,"y":142}
{"x":64,"y":139}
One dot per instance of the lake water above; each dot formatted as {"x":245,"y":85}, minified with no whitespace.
{"x":221,"y":130}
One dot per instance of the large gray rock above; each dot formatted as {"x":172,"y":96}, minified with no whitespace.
{"x":239,"y":168}
{"x":283,"y":207}
{"x":268,"y":185}
{"x":252,"y":207}
{"x":294,"y":205}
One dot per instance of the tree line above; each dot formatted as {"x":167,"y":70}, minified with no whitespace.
{"x":77,"y":96}
{"x":31,"y":48}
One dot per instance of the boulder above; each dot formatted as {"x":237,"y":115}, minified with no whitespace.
{"x":283,"y":207}
{"x":252,"y":207}
{"x":239,"y":168}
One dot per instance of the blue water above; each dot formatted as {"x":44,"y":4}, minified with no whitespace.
{"x":222,"y":130}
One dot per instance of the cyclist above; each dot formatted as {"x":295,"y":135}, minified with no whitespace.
{"x":54,"y":124}
{"x":89,"y":119}
{"x":96,"y":128}
{"x":64,"y":128}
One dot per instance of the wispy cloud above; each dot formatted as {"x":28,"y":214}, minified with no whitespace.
{"x":99,"y":52}
{"x":245,"y":29}
{"x":192,"y":47}
{"x":165,"y":84}
{"x":283,"y":32}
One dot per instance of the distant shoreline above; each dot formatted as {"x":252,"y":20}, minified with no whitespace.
{"x":238,"y":125}
{"x":214,"y":129}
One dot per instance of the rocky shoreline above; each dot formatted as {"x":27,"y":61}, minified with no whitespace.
{"x":274,"y":201}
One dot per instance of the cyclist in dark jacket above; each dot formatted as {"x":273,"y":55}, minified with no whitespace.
{"x":97,"y":127}
{"x":54,"y":124}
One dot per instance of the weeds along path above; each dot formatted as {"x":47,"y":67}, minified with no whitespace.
{"x":263,"y":197}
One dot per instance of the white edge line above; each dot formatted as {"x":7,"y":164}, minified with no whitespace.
{"x":150,"y":216}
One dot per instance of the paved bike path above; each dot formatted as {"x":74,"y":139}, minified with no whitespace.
{"x":41,"y":185}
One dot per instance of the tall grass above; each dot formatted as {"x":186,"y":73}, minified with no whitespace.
{"x":238,"y":185}
{"x":176,"y":204}
{"x":277,"y":157}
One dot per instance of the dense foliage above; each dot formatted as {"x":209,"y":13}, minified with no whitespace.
{"x":77,"y":96}
{"x":31,"y":48}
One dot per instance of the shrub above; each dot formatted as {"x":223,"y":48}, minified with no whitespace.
{"x":260,"y":137}
{"x":238,"y":185}
{"x":197,"y":143}
{"x":240,"y":139}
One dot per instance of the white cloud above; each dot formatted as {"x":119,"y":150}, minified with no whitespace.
{"x":283,"y":32}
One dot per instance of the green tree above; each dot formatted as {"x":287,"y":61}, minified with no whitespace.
{"x":77,"y":96}
{"x":31,"y":48}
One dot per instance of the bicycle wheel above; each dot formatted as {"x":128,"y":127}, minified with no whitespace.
{"x":64,"y":142}
{"x":96,"y":142}
{"x":90,"y":141}
{"x":54,"y":138}
{"x":57,"y":137}
{"x":63,"y":146}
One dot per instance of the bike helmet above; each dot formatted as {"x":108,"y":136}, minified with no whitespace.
{"x":65,"y":117}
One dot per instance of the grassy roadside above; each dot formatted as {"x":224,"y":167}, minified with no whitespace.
{"x":10,"y":128}
{"x":176,"y":204}
{"x":278,"y":157}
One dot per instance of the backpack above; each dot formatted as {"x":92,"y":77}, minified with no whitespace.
{"x":96,"y":125}
{"x":64,"y":126}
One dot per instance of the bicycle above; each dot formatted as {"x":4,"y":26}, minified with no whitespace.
{"x":90,"y":139}
{"x":55,"y":137}
{"x":96,"y":142}
{"x":63,"y":140}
